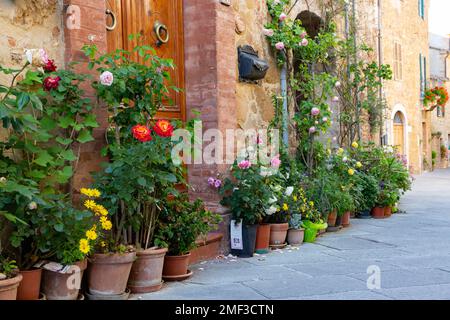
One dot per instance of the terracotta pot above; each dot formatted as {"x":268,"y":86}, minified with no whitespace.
{"x":295,"y":236}
{"x":55,"y":284}
{"x":346,"y":219}
{"x":387,"y":212}
{"x":108,"y":273}
{"x":8,"y":288}
{"x":278,"y":233}
{"x":146,"y":273}
{"x":176,"y":265}
{"x":262,"y":238}
{"x":332,"y":219}
{"x":30,"y":286}
{"x":378,"y":213}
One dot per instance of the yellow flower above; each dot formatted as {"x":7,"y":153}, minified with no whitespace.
{"x":100,"y":210}
{"x":311,"y":203}
{"x":90,"y":204}
{"x":355,"y":144}
{"x":340,"y":151}
{"x":91,"y":234}
{"x":92,"y":193}
{"x":295,"y":198}
{"x":329,"y":151}
{"x":103,"y":244}
{"x":285,"y":207}
{"x":84,"y":246}
{"x":106,"y":225}
{"x":351,"y":172}
{"x":359,"y":164}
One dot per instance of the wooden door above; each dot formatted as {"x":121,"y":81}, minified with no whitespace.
{"x":399,"y":133}
{"x":143,"y":16}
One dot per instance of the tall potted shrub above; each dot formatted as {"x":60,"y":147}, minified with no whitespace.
{"x":180,"y":224}
{"x":140,"y":174}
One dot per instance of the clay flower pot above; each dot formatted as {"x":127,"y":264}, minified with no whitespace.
{"x":176,"y":265}
{"x":30,"y":286}
{"x":108,"y":273}
{"x":378,"y":213}
{"x":295,"y":236}
{"x":346,"y":219}
{"x":387,"y":211}
{"x":262,"y":238}
{"x":332,"y":219}
{"x":63,"y":286}
{"x":8,"y":287}
{"x":278,"y":233}
{"x":146,"y":272}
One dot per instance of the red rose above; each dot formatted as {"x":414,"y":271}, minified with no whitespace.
{"x":50,"y":66}
{"x":51,"y":83}
{"x":141,"y":133}
{"x":163,"y":128}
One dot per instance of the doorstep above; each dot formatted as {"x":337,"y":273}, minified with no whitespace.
{"x":207,"y":249}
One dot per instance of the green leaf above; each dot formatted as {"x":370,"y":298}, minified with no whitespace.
{"x":37,"y":103}
{"x":37,"y":174}
{"x":64,"y":175}
{"x":22,"y":100}
{"x":48,"y":123}
{"x":12,"y":217}
{"x":43,"y":158}
{"x":68,"y":155}
{"x":91,"y":121}
{"x":85,"y":136}
{"x":141,"y":181}
{"x":65,"y":122}
{"x":64,"y":141}
{"x":59,"y":227}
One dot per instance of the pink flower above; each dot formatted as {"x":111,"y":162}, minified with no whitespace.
{"x":304,"y":42}
{"x":244,"y":164}
{"x":335,"y":99}
{"x":259,"y":140}
{"x":211,"y":181}
{"x":44,"y":56}
{"x":324,"y":119}
{"x":275,"y":162}
{"x":303,"y":34}
{"x":217,"y":184}
{"x":268,"y":32}
{"x":315,"y":111}
{"x":283,"y":17}
{"x":312,"y":130}
{"x":279,"y":46}
{"x":106,"y":78}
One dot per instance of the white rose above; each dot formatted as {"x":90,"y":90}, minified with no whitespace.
{"x":106,"y":78}
{"x":289,"y":191}
{"x":271,"y":210}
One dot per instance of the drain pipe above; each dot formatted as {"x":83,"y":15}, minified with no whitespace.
{"x":380,"y":62}
{"x":285,"y":114}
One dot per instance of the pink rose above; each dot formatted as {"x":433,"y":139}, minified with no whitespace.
{"x":303,"y":34}
{"x":283,"y":17}
{"x":244,"y":164}
{"x":279,"y":46}
{"x":312,"y":130}
{"x":106,"y":78}
{"x":315,"y":111}
{"x":268,"y":32}
{"x":275,"y":162}
{"x":324,"y":119}
{"x":304,"y":42}
{"x":44,"y":56}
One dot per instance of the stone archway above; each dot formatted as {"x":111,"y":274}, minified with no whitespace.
{"x":399,"y":129}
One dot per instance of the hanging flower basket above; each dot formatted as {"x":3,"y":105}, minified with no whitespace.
{"x":437,"y":96}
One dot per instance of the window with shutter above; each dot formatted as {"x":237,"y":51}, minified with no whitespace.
{"x":398,"y":72}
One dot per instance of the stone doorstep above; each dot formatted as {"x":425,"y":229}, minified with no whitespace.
{"x":207,"y":249}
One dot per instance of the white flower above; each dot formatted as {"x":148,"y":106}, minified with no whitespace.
{"x":36,"y":57}
{"x":106,"y":78}
{"x":29,"y":55}
{"x":337,"y":84}
{"x":289,"y":191}
{"x":3,"y":179}
{"x":271,"y":210}
{"x":273,"y":200}
{"x":345,"y":159}
{"x":32,"y":205}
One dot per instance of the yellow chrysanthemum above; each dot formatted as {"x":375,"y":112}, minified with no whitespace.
{"x":355,"y":145}
{"x":106,"y":225}
{"x":285,"y":207}
{"x":351,"y":172}
{"x":103,"y":219}
{"x":91,"y":235}
{"x":91,"y":193}
{"x":90,"y":204}
{"x":359,"y":164}
{"x":100,"y":210}
{"x":84,"y":246}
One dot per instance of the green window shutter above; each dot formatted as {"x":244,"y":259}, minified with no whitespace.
{"x":423,"y":8}
{"x":421,"y":76}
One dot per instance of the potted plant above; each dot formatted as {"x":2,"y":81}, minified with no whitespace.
{"x":369,"y":195}
{"x":249,"y":197}
{"x":312,"y":221}
{"x":296,"y":232}
{"x":10,"y":279}
{"x":140,"y":174}
{"x":180,"y":224}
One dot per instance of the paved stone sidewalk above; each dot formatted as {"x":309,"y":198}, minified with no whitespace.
{"x":412,"y":249}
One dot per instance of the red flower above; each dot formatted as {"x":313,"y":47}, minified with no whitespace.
{"x":51,"y":83}
{"x":50,"y":66}
{"x":141,"y":133}
{"x":163,"y":128}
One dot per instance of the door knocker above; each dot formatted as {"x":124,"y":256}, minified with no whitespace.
{"x":113,"y":18}
{"x":159,"y":30}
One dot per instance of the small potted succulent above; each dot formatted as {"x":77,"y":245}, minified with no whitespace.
{"x":296,"y":232}
{"x":181,"y":223}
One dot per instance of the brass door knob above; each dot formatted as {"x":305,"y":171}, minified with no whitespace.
{"x":114,"y":20}
{"x":160,"y":29}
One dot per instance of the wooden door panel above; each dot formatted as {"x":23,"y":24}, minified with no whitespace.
{"x":399,"y":138}
{"x":140,"y":16}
